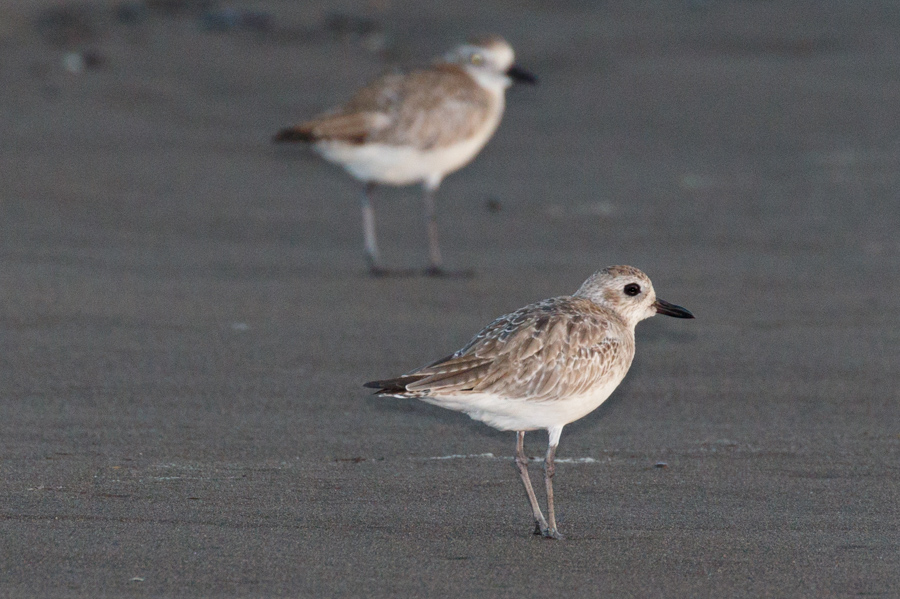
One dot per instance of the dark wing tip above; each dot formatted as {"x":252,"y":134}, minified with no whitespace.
{"x":397,"y":385}
{"x":293,"y":134}
{"x":388,"y":386}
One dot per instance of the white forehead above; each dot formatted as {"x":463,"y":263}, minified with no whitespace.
{"x":615,"y":275}
{"x":499,"y":51}
{"x":607,"y":288}
{"x":613,"y":279}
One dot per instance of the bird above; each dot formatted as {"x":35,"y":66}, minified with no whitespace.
{"x":416,"y":127}
{"x":542,"y":367}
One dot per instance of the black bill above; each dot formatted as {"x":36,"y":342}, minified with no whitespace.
{"x":664,"y":307}
{"x":520,"y":75}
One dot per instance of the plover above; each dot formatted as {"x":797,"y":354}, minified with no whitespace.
{"x":543,"y":366}
{"x":416,"y":128}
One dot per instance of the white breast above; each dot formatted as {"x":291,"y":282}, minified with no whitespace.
{"x":523,"y":415}
{"x":405,"y":165}
{"x":402,"y":165}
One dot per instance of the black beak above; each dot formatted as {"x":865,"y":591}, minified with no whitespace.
{"x":519,"y":75}
{"x":664,"y":307}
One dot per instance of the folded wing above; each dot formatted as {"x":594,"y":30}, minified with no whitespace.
{"x":423,"y":109}
{"x":546,"y":351}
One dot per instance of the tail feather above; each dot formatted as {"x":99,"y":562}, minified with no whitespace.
{"x":290,"y":134}
{"x":389,"y":386}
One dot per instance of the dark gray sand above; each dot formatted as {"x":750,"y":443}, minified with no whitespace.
{"x":185,"y":322}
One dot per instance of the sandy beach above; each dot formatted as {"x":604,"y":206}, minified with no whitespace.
{"x":186,"y":320}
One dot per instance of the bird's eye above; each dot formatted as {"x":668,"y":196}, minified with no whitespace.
{"x":477,"y":59}
{"x":632,"y":289}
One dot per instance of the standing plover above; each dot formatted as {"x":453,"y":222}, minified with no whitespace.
{"x":416,"y":128}
{"x":543,"y":366}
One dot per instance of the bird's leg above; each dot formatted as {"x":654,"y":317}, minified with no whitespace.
{"x":371,"y":247}
{"x":434,"y":251}
{"x":540,"y":524}
{"x":549,"y":470}
{"x":550,"y":531}
{"x":435,"y":263}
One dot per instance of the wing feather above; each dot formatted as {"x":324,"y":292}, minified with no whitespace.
{"x":354,"y":127}
{"x":547,"y":351}
{"x":424,"y":109}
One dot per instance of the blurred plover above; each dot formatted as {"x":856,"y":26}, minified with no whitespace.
{"x":416,"y":127}
{"x":543,"y":366}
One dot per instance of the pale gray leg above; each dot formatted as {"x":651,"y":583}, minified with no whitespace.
{"x":540,"y":525}
{"x":434,"y":251}
{"x":371,"y":247}
{"x":549,"y":470}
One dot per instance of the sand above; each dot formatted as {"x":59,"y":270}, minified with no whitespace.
{"x":186,"y":322}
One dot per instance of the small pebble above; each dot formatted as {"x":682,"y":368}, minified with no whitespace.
{"x":77,"y":62}
{"x":73,"y":62}
{"x":493,"y":205}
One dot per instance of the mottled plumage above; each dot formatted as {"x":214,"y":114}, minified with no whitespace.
{"x":424,"y":109}
{"x":416,"y":127}
{"x":544,"y":365}
{"x":547,"y":351}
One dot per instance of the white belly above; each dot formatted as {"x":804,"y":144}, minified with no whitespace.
{"x":522,"y":415}
{"x":405,"y":165}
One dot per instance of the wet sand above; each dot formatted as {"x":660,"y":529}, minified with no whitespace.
{"x":185,"y":320}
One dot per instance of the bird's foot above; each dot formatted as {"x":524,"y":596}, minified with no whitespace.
{"x":551,"y":533}
{"x":439,"y":272}
{"x":379,"y":272}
